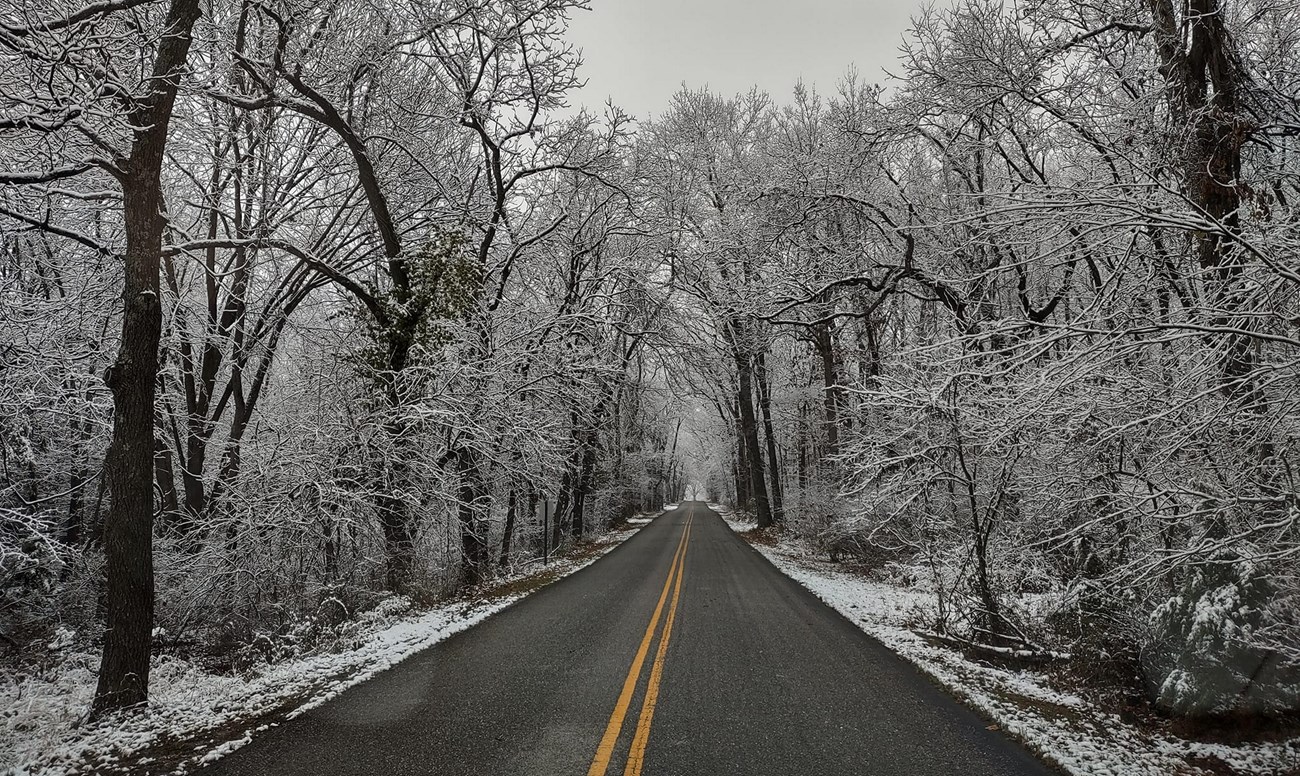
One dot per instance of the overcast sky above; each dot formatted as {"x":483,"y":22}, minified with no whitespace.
{"x":640,"y":51}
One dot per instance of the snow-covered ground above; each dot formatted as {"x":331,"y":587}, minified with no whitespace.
{"x":1065,"y":729}
{"x":41,"y":727}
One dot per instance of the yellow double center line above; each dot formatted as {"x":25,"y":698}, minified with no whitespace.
{"x":636,"y":756}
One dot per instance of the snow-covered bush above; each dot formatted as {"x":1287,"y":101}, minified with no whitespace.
{"x":31,"y":565}
{"x":1204,"y":654}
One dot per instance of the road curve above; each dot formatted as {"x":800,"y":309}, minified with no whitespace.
{"x":681,"y":653}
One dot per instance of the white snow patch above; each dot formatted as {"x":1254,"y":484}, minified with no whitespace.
{"x":737,"y":521}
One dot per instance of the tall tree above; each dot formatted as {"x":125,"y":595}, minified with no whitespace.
{"x":128,"y":530}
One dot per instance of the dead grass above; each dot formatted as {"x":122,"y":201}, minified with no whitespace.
{"x":768,"y":537}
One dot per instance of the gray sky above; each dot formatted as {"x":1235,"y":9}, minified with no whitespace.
{"x":640,"y":51}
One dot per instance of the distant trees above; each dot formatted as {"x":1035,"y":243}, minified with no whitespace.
{"x":703,"y":158}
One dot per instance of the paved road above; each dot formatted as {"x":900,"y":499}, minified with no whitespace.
{"x":754,"y":676}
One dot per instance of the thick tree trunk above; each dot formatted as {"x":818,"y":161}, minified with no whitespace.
{"x":740,"y":465}
{"x":749,"y":438}
{"x":583,"y":487}
{"x":395,"y":513}
{"x":399,"y":544}
{"x":128,"y":530}
{"x":825,"y":346}
{"x":773,"y":462}
{"x":508,"y":535}
{"x":1204,"y":81}
{"x":475,"y":563}
{"x":561,"y":507}
{"x":738,"y":470}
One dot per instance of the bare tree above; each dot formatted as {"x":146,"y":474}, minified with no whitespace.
{"x":134,"y":154}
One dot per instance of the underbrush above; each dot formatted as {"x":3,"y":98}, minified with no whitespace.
{"x":216,"y":694}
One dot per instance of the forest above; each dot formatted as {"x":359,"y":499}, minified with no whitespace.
{"x":307,"y":305}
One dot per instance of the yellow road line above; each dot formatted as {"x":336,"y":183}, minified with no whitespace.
{"x":636,"y":756}
{"x":605,"y":750}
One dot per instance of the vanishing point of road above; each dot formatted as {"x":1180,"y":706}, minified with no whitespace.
{"x":682,"y":652}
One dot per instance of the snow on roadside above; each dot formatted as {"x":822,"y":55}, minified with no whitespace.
{"x":41,"y":728}
{"x":1063,"y":728}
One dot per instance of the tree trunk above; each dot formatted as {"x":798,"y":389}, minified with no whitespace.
{"x":825,"y":346}
{"x":738,"y":469}
{"x":394,"y":511}
{"x":740,"y":466}
{"x":533,"y":498}
{"x":562,"y":497}
{"x":473,"y":528}
{"x":804,"y":458}
{"x":164,"y":475}
{"x":749,"y":438}
{"x":583,"y":487}
{"x":128,"y":530}
{"x":773,"y":462}
{"x":508,"y":534}
{"x":196,"y":458}
{"x":74,"y":527}
{"x":399,"y":544}
{"x":1210,"y":125}
{"x":245,"y":403}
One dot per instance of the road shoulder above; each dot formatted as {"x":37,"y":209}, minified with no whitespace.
{"x":1063,"y":728}
{"x":196,"y":717}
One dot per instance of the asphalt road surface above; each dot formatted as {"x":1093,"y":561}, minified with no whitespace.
{"x":681,"y":653}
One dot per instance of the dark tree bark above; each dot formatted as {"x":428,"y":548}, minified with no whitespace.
{"x":472,"y":496}
{"x":561,"y":508}
{"x":399,"y":543}
{"x":533,"y":498}
{"x":1204,"y":84}
{"x":749,"y":437}
{"x":128,"y":530}
{"x":773,"y":462}
{"x":164,"y":475}
{"x":582,"y":487}
{"x":740,"y":466}
{"x":802,"y":442}
{"x":825,"y":346}
{"x":509,"y":533}
{"x":74,"y":527}
{"x":674,"y":485}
